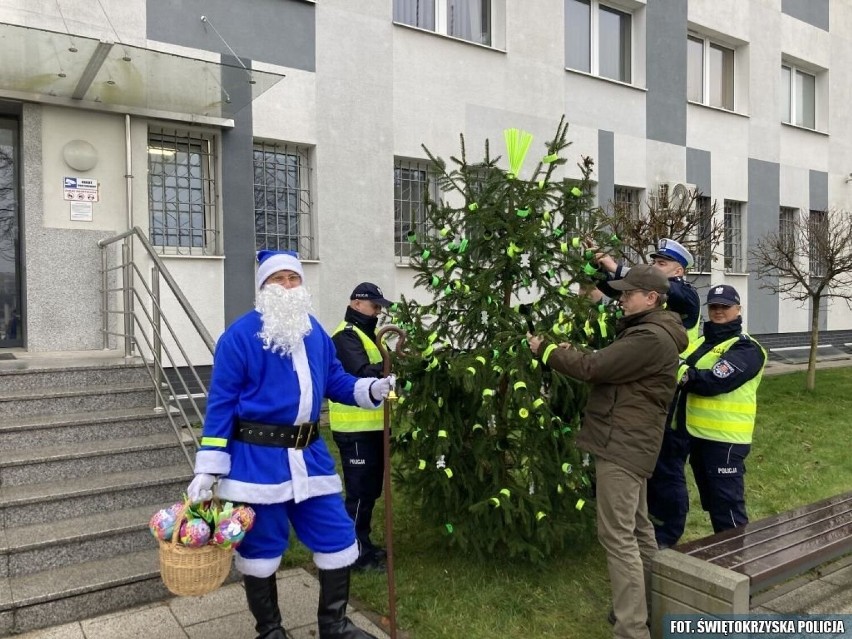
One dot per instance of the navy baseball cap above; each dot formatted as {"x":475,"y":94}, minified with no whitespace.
{"x":724,"y":295}
{"x":669,"y":249}
{"x":371,"y":293}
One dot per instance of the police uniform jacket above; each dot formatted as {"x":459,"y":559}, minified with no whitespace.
{"x":633,"y":380}
{"x":742,"y":362}
{"x":350,"y":350}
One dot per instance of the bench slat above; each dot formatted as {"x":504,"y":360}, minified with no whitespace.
{"x":740,"y":548}
{"x":765,"y":528}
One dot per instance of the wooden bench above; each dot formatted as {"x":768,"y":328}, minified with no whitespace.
{"x":721,"y":573}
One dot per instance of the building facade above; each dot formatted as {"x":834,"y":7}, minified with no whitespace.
{"x":220,"y":127}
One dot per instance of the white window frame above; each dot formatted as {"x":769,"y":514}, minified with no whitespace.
{"x":205,"y":144}
{"x":703,"y":233}
{"x":733,"y":236}
{"x":707,"y":44}
{"x":496,"y":27}
{"x":594,"y":39}
{"x":792,"y":115}
{"x":629,"y":197}
{"x":296,"y":187}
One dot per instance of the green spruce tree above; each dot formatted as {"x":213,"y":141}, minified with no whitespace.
{"x":483,"y":432}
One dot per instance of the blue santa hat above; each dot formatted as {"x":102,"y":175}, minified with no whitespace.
{"x":269,"y":262}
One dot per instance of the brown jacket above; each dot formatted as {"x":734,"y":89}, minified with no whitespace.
{"x":633,"y":381}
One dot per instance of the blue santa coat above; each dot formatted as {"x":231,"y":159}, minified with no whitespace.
{"x":254,"y":384}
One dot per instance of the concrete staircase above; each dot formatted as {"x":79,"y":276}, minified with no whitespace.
{"x":84,"y":463}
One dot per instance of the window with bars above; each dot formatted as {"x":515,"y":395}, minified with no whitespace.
{"x":733,"y":237}
{"x":182,"y":192}
{"x":787,"y":233}
{"x":282,"y":199}
{"x":625,"y":201}
{"x":598,"y":39}
{"x":411,"y":185}
{"x":818,"y":232}
{"x":704,"y":235}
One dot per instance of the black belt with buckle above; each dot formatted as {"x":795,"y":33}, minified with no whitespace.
{"x":279,"y":435}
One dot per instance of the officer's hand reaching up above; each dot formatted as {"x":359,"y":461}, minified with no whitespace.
{"x":380,"y":388}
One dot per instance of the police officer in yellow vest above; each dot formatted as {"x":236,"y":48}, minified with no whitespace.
{"x":715,"y":405}
{"x":358,"y":432}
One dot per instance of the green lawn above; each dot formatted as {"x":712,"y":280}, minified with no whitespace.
{"x":800,"y":454}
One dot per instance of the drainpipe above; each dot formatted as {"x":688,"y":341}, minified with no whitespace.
{"x":128,"y":177}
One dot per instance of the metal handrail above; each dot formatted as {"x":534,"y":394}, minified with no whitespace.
{"x":161,"y":267}
{"x":179,"y":406}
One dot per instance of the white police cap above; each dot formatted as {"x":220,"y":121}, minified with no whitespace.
{"x":671,"y":250}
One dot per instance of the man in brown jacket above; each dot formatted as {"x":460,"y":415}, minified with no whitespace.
{"x":633,"y":380}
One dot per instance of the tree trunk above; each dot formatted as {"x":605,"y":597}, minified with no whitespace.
{"x":811,"y":379}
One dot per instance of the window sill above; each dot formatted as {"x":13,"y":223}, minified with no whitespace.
{"x":804,"y":128}
{"x":170,"y":256}
{"x":449,"y":37}
{"x":403,"y":264}
{"x":718,"y":109}
{"x":737,"y":273}
{"x":626,"y":85}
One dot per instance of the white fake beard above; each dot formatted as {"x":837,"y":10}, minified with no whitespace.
{"x":284,"y":313}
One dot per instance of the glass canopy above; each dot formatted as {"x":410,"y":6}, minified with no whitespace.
{"x":102,"y":74}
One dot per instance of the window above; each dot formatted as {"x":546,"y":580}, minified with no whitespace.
{"x":710,"y":73}
{"x":787,"y":234}
{"x":182,"y":192}
{"x":411,"y":185}
{"x":703,"y":234}
{"x":818,"y":236}
{"x":798,"y":102}
{"x":598,"y":39}
{"x":282,"y":199}
{"x":469,"y":20}
{"x":625,"y":201}
{"x":733,"y":237}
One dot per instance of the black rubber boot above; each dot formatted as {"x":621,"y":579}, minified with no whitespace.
{"x":331,"y":615}
{"x":262,"y":596}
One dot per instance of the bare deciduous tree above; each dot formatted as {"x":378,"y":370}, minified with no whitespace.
{"x":685,"y":216}
{"x":808,"y":258}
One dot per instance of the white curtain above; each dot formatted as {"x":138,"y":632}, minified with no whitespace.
{"x":417,"y":13}
{"x":470,"y":19}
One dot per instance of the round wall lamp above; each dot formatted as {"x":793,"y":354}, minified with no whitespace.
{"x":80,"y":155}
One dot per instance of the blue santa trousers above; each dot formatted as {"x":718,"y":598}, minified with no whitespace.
{"x":321,"y":523}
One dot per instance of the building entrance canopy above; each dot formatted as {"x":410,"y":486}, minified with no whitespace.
{"x":46,"y":66}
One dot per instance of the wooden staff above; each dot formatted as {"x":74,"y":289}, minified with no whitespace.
{"x":386,"y":370}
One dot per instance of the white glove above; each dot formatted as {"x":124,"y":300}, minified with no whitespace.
{"x":381,"y":387}
{"x":200,"y":489}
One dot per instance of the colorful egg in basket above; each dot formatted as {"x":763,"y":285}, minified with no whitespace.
{"x":245,"y":516}
{"x":228,"y":533}
{"x":194,"y":533}
{"x":162,"y":522}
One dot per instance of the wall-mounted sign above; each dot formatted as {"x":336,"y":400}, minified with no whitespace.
{"x":81,"y":211}
{"x":80,"y":189}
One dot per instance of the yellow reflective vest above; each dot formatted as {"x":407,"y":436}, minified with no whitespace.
{"x":728,"y":417}
{"x":349,"y":419}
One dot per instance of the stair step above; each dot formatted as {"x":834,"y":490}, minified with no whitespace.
{"x":55,"y":463}
{"x":48,"y":502}
{"x":68,"y":428}
{"x":106,"y":534}
{"x":23,"y":377}
{"x":51,"y":401}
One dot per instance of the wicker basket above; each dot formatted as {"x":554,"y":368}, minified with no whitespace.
{"x":190,"y":572}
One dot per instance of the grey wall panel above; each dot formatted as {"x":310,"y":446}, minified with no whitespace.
{"x":276,"y":31}
{"x":813,"y":12}
{"x":818,"y":188}
{"x":238,"y":210}
{"x":764,"y":181}
{"x":606,"y":167}
{"x":665,"y":110}
{"x":698,"y":170}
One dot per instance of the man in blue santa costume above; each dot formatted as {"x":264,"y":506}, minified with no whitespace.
{"x":272,"y":368}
